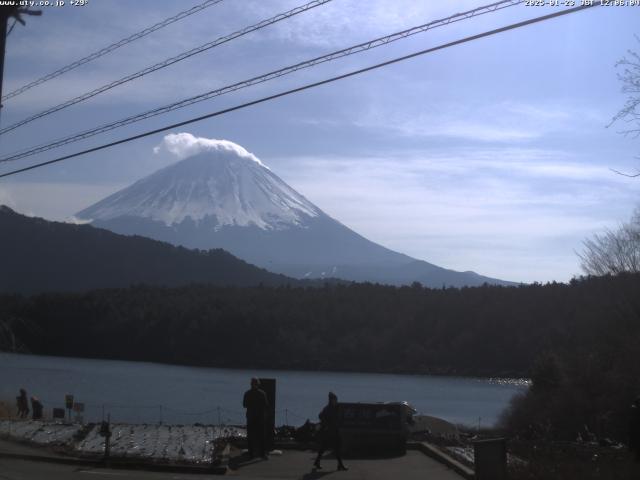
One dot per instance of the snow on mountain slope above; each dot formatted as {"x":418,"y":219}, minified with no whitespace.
{"x":221,"y":196}
{"x":222,"y":180}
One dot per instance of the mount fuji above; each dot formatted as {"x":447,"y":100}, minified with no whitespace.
{"x":221,"y":196}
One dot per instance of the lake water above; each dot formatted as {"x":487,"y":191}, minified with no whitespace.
{"x":140,"y":392}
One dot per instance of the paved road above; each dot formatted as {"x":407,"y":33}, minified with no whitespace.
{"x":288,"y":466}
{"x":294,"y":465}
{"x":23,"y":470}
{"x":7,"y":446}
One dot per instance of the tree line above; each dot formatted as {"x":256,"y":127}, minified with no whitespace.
{"x":489,"y":330}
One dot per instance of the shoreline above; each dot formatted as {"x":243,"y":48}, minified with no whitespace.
{"x":521,"y":380}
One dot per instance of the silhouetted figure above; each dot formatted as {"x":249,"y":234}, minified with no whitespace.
{"x":329,"y":432}
{"x":36,"y":406}
{"x":256,"y":403}
{"x":22,"y":402}
{"x":634,"y":429}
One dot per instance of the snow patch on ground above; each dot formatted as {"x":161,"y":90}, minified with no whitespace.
{"x":38,"y":433}
{"x":463,"y":453}
{"x":165,"y":443}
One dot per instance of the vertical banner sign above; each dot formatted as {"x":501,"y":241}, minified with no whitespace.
{"x":79,"y":409}
{"x":68,"y":402}
{"x":268,"y":385}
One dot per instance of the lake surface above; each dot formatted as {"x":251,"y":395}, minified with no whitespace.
{"x":140,"y":392}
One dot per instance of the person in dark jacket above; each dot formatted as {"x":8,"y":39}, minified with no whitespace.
{"x":256,"y":403}
{"x":634,"y":429}
{"x":329,"y":432}
{"x":22,"y":402}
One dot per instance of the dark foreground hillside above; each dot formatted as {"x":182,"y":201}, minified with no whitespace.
{"x":37,"y":256}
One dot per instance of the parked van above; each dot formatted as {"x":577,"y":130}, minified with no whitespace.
{"x":381,"y":428}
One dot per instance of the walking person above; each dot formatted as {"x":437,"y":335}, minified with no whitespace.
{"x":329,"y":432}
{"x":256,"y":403}
{"x":22,"y":402}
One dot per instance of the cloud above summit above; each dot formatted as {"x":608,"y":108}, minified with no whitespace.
{"x":184,"y":145}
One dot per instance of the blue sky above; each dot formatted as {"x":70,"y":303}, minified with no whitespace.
{"x":491,"y":156}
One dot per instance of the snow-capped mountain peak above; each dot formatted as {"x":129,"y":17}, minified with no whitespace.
{"x":218,"y":179}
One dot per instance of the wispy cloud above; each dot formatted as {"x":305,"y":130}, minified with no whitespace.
{"x":336,"y":21}
{"x":466,"y":209}
{"x":184,"y":145}
{"x":504,"y":122}
{"x":6,"y":198}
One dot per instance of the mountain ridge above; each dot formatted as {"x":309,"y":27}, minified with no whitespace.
{"x":38,"y":255}
{"x":224,"y":197}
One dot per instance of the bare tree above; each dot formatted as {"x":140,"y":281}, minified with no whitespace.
{"x":613,"y":252}
{"x":630,"y":79}
{"x":630,"y":113}
{"x":618,"y":251}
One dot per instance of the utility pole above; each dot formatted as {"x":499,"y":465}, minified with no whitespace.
{"x":6,"y":12}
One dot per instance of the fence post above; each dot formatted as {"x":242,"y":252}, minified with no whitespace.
{"x":160,"y":414}
{"x":105,"y":431}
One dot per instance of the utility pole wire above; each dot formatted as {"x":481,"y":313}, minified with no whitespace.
{"x":167,"y":62}
{"x":261,"y":79}
{"x":15,"y":20}
{"x":630,"y":175}
{"x":110,"y":48}
{"x":307,"y":86}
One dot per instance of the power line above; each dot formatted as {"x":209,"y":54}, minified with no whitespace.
{"x":111,"y":48}
{"x":262,"y":78}
{"x":167,"y":62}
{"x":15,"y":20}
{"x":307,"y":86}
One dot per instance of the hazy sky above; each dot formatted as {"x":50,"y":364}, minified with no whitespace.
{"x":491,"y":156}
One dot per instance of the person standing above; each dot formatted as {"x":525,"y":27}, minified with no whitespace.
{"x":256,"y":403}
{"x":329,"y":432}
{"x":22,"y":402}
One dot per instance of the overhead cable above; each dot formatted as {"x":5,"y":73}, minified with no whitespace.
{"x":110,"y":48}
{"x":263,"y":78}
{"x":167,"y":62}
{"x":306,"y":87}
